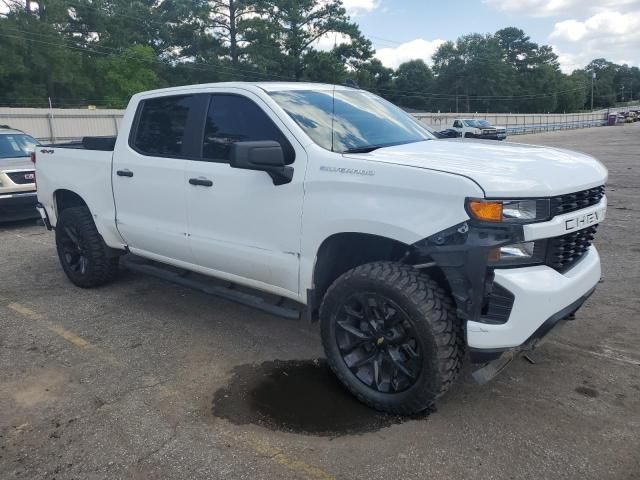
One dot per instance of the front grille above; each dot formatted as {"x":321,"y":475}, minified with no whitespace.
{"x":563,"y":252}
{"x":576,"y":201}
{"x":22,"y":178}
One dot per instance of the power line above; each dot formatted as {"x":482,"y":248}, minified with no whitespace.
{"x":201,"y":66}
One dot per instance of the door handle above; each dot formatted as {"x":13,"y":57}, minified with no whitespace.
{"x":124,"y":173}
{"x":203,"y":182}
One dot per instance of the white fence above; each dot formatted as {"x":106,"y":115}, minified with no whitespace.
{"x":60,"y":125}
{"x":518,"y":124}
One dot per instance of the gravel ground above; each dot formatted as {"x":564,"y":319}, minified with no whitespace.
{"x":143,"y":379}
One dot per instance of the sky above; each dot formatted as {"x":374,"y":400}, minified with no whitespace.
{"x":578,"y":30}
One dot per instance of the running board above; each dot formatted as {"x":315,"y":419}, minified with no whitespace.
{"x":281,"y":307}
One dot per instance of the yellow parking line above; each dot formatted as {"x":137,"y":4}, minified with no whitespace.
{"x":262,"y":447}
{"x":275,"y":454}
{"x":27,"y":312}
{"x":70,"y":336}
{"x":55,"y":328}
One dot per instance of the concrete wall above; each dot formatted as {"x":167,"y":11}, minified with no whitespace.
{"x":61,"y":124}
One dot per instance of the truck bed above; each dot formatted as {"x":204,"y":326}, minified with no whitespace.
{"x":71,"y":171}
{"x":105,"y":144}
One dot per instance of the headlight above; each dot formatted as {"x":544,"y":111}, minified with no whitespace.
{"x":512,"y":211}
{"x":517,"y":254}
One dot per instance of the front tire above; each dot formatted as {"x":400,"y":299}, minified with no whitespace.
{"x":391,"y":336}
{"x":85,"y":258}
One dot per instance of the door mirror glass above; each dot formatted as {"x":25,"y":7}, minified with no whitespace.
{"x":263,"y":155}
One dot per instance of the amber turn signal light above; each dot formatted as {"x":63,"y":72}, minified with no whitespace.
{"x":484,"y":210}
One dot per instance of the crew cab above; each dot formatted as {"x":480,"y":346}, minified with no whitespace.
{"x":410,"y":251}
{"x":476,"y":128}
{"x":17,"y":175}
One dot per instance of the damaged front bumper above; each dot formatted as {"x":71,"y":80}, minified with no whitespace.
{"x":507,"y":310}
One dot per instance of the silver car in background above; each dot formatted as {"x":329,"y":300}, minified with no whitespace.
{"x":17,"y":175}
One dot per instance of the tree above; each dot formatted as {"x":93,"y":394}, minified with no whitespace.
{"x":296,"y":25}
{"x":121,"y":76}
{"x":413,"y":83}
{"x":226,"y":17}
{"x":374,"y":76}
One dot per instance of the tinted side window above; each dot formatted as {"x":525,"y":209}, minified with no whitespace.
{"x":457,"y":124}
{"x":162,"y":125}
{"x":232,"y":119}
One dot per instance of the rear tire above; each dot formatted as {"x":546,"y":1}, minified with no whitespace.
{"x":85,"y":258}
{"x":391,"y":335}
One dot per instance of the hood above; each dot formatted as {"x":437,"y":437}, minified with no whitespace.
{"x":501,"y":169}
{"x":16,"y":163}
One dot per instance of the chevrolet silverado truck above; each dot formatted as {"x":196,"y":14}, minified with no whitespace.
{"x":476,"y":128}
{"x":17,"y":175}
{"x":414,"y":254}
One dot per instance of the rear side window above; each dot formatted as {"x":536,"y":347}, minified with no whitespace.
{"x":231,"y":119}
{"x":162,"y":125}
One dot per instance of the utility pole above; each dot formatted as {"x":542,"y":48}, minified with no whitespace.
{"x":622,"y":93}
{"x":593,"y":77}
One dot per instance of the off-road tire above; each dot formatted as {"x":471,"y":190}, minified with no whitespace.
{"x":431,"y":311}
{"x":101,"y":264}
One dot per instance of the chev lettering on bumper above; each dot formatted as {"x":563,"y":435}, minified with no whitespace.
{"x":569,"y":222}
{"x":582,"y":221}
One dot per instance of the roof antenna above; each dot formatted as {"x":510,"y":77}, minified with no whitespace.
{"x":333,"y":96}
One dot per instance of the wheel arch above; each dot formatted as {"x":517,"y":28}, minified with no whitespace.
{"x":64,"y":198}
{"x":340,"y":252}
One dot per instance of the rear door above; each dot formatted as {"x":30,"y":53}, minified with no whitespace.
{"x":240,"y":224}
{"x":149,"y":175}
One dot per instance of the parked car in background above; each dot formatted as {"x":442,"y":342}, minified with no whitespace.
{"x":17,"y":175}
{"x":448,"y":133}
{"x":475,"y":128}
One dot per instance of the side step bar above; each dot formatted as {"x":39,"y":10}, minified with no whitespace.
{"x":281,"y":307}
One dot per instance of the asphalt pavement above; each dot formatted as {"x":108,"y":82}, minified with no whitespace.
{"x":143,"y":379}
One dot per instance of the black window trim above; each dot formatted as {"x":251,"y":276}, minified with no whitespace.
{"x":203,"y":122}
{"x":189,"y":145}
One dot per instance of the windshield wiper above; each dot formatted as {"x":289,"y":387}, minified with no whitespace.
{"x":366,"y":149}
{"x":371,"y":148}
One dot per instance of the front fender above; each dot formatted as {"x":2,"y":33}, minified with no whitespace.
{"x":402,"y":203}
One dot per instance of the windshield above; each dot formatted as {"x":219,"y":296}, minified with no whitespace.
{"x":477,"y":123}
{"x":16,"y":145}
{"x":362,"y":121}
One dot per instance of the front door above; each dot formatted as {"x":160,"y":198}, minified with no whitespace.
{"x":241,"y":225}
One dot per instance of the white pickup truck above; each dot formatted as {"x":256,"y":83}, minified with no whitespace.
{"x":409,"y":250}
{"x":477,"y":128}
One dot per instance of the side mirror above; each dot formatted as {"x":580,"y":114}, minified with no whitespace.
{"x":264,"y":155}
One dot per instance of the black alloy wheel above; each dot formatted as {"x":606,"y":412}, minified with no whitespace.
{"x":378,"y":342}
{"x":84,"y":256}
{"x":73,"y":251}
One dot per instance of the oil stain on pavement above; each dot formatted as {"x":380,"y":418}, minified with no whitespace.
{"x":296,"y":396}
